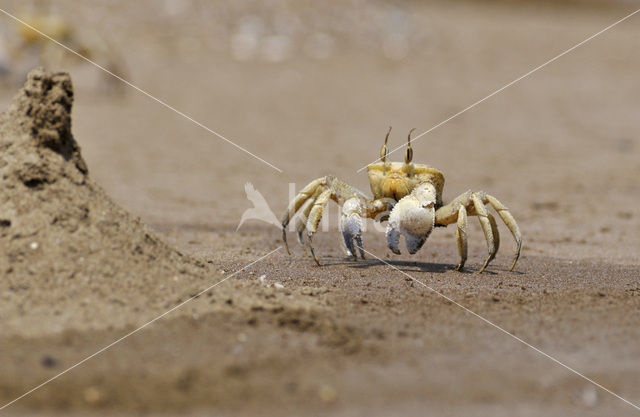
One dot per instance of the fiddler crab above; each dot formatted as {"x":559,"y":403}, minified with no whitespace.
{"x":409,"y":196}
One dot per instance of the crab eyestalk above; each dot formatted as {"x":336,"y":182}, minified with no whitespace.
{"x":409,"y":155}
{"x":383,"y":150}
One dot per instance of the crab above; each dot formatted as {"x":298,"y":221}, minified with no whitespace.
{"x":409,"y":197}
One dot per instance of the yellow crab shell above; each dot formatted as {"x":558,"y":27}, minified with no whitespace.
{"x":397,"y":179}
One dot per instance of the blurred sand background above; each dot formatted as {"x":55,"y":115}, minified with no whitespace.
{"x":312,"y":87}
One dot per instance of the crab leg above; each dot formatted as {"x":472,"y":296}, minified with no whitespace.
{"x":303,"y":216}
{"x":296,"y":203}
{"x":449,"y":214}
{"x":314,"y":218}
{"x":310,"y":204}
{"x":492,"y":235}
{"x":494,"y":231}
{"x":461,"y":236}
{"x":474,"y":204}
{"x":508,"y":219}
{"x":487,"y":228}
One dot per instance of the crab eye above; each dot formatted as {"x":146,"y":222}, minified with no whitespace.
{"x":409,"y":155}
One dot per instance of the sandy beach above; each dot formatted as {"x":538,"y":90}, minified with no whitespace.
{"x":91,"y":254}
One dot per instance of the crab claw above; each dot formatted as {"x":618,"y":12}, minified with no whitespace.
{"x":351,"y":226}
{"x":413,"y":216}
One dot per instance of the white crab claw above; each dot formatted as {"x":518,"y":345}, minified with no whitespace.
{"x":351,"y":226}
{"x":413,"y":217}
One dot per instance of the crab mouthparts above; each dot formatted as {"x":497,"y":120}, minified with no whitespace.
{"x":396,"y":187}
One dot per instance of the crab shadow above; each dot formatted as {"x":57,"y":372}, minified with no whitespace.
{"x":405,"y":266}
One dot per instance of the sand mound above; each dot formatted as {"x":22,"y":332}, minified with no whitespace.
{"x":60,"y":234}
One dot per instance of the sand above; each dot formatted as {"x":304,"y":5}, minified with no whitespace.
{"x":62,"y":236}
{"x":105,"y":226}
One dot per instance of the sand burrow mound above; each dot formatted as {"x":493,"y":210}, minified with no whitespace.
{"x":64,"y":244}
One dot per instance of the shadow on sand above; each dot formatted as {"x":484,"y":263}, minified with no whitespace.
{"x":416,"y":266}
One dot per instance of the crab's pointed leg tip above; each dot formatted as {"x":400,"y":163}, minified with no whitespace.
{"x":284,"y":239}
{"x":515,"y":261}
